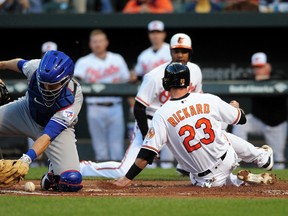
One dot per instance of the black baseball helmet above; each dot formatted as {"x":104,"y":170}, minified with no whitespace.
{"x":176,"y":75}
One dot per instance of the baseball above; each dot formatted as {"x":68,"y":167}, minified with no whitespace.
{"x":29,"y":186}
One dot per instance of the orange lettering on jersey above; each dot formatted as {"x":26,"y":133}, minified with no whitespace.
{"x":93,"y":75}
{"x":192,"y":110}
{"x":179,"y":116}
{"x":172,"y":121}
{"x":206,"y":108}
{"x":185,"y":112}
{"x":199,"y":108}
{"x":175,"y":117}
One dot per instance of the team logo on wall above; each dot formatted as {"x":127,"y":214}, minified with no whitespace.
{"x":151,"y":133}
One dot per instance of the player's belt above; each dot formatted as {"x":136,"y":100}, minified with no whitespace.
{"x":209,"y":171}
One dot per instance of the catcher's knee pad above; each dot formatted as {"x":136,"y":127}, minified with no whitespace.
{"x":70,"y":181}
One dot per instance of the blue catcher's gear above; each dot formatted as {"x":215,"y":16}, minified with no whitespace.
{"x":55,"y":71}
{"x":176,"y":75}
{"x":68,"y":181}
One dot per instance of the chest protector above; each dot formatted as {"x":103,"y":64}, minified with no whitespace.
{"x":39,"y":112}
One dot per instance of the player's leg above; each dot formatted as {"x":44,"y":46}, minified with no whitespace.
{"x":64,"y":169}
{"x":248,"y":152}
{"x":220,"y":174}
{"x":97,"y":125}
{"x":116,"y":132}
{"x":112,"y":169}
{"x":276,"y":137}
{"x":15,"y":119}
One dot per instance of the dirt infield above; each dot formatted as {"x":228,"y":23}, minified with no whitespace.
{"x":160,"y":189}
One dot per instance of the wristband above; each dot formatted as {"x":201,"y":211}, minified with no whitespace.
{"x":25,"y":158}
{"x":32,"y":154}
{"x":133,"y":172}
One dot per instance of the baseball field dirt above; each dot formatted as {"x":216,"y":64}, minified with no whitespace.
{"x":145,"y":188}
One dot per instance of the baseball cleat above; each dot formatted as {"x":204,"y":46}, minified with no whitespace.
{"x":49,"y":180}
{"x":262,"y":178}
{"x":269,"y":165}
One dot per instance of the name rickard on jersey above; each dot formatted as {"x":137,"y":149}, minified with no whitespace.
{"x":187,"y":112}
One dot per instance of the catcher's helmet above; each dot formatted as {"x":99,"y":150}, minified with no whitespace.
{"x":176,"y":75}
{"x":56,"y":69}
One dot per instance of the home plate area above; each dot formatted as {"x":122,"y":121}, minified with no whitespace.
{"x":161,"y":188}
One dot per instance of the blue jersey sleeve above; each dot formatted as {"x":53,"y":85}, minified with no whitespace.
{"x":20,"y":64}
{"x":53,"y":129}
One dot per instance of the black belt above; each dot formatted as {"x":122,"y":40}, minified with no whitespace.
{"x":209,"y":171}
{"x":149,"y":117}
{"x":108,"y":104}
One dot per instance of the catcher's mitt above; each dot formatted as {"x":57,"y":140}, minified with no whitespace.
{"x":4,"y":94}
{"x":12,"y":171}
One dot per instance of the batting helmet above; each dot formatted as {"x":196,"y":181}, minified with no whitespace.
{"x":176,"y":75}
{"x":56,"y":69}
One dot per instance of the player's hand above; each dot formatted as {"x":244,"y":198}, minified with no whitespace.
{"x":234,"y":104}
{"x":122,"y":182}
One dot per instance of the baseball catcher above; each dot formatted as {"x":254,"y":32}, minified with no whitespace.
{"x":12,"y":171}
{"x":4,"y":94}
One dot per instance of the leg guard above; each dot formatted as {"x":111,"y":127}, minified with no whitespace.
{"x":70,"y":181}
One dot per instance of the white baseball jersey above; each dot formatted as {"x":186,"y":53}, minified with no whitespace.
{"x":152,"y":94}
{"x":191,"y":128}
{"x":149,"y":59}
{"x":112,"y":69}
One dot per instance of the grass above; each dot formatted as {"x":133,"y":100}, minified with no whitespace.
{"x":64,"y":205}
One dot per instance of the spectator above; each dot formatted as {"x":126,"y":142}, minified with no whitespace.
{"x":14,"y":6}
{"x":241,"y":5}
{"x":266,"y":6}
{"x":268,"y":115}
{"x":202,"y":6}
{"x":148,"y":6}
{"x":119,"y":5}
{"x":102,"y":6}
{"x":105,"y":116}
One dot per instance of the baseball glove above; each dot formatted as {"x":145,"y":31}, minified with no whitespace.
{"x":4,"y":94}
{"x":12,"y":172}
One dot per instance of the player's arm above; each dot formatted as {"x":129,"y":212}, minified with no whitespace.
{"x":145,"y":156}
{"x":39,"y":146}
{"x":242,"y":119}
{"x":10,"y":65}
{"x":141,"y":117}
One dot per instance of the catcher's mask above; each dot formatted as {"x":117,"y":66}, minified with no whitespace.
{"x":176,"y":75}
{"x":55,"y":71}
